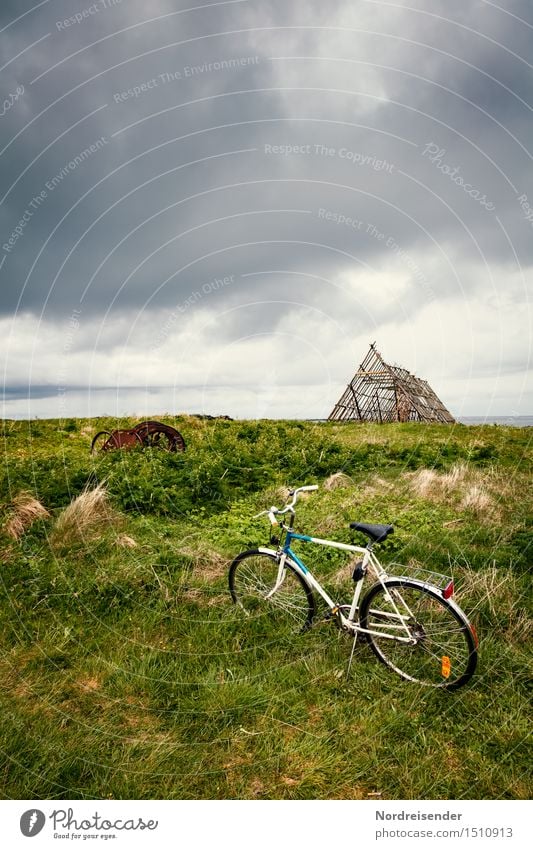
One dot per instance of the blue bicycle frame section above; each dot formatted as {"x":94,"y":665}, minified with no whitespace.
{"x":287,"y":549}
{"x":309,"y":578}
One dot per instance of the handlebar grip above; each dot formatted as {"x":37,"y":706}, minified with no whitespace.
{"x":310,"y":488}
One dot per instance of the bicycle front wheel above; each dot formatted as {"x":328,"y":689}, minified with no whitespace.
{"x":255,"y":586}
{"x":441,"y":650}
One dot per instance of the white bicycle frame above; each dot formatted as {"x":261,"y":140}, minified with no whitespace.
{"x":349,"y":622}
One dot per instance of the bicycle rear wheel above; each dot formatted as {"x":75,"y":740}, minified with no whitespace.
{"x":443,"y":647}
{"x":253,"y":576}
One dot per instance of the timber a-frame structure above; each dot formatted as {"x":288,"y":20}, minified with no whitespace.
{"x":379,"y":392}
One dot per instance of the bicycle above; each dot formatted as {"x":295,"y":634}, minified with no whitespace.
{"x":411,"y":623}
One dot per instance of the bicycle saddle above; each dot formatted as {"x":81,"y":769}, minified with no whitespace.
{"x":378,"y":533}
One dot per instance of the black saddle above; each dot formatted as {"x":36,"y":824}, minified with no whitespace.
{"x":377,"y":533}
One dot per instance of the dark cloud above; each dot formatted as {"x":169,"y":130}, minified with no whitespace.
{"x":362,"y":160}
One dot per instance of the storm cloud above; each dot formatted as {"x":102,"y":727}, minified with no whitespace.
{"x":215,"y":208}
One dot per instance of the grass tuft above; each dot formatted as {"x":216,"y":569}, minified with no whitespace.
{"x":429,"y":483}
{"x":126,"y":541}
{"x":25,"y":510}
{"x":477,"y":500}
{"x":86,"y":519}
{"x":463,"y":485}
{"x":338,"y":479}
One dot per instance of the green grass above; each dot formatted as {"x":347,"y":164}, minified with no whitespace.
{"x":128,"y":673}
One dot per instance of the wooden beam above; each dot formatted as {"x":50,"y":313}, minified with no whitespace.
{"x":379,"y":392}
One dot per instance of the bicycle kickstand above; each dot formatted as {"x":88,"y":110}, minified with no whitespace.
{"x":351,"y":657}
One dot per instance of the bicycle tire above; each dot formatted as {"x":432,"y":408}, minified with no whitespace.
{"x":445,"y":652}
{"x":253,"y":574}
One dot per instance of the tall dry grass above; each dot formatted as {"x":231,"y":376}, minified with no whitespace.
{"x":337,"y":480}
{"x":86,"y":519}
{"x":468,"y":487}
{"x":431,"y":484}
{"x":23,"y":512}
{"x":477,"y":499}
{"x":497,"y":598}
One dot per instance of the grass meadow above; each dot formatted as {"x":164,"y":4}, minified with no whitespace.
{"x":127,"y":672}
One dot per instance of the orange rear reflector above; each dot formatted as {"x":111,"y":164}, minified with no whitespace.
{"x":445,"y":666}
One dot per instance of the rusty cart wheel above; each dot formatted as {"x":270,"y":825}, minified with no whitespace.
{"x":106,"y":441}
{"x":158,"y":435}
{"x":101,"y":438}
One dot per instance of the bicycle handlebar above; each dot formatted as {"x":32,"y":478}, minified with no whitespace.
{"x":272,"y":512}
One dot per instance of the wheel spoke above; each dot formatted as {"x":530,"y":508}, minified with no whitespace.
{"x":441,"y":651}
{"x":253,"y":578}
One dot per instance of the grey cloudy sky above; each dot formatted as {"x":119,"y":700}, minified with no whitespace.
{"x":215,"y":207}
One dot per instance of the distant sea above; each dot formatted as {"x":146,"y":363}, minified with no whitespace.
{"x":510,"y":421}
